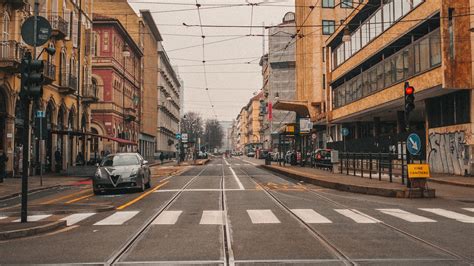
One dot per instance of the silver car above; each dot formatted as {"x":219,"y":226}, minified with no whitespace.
{"x":122,"y":171}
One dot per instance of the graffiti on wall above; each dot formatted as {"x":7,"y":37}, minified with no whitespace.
{"x":447,"y":152}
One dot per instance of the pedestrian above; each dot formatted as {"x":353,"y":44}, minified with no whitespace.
{"x":58,"y":160}
{"x":162,"y":157}
{"x":80,"y":159}
{"x":3,"y":165}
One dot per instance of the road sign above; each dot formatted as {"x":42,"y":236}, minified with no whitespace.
{"x":414,"y":144}
{"x":345,"y":132}
{"x":184,"y":137}
{"x":418,"y":171}
{"x":178,"y":136}
{"x":40,"y":114}
{"x":314,"y":136}
{"x":43,"y":31}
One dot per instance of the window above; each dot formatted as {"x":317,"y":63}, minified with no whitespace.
{"x":450,"y":109}
{"x":387,"y":15}
{"x":364,"y":34}
{"x":346,"y":3}
{"x":451,"y":33}
{"x":328,"y":27}
{"x":397,"y":7}
{"x":6,"y":27}
{"x":378,"y":23}
{"x":328,"y":3}
{"x":435,"y":49}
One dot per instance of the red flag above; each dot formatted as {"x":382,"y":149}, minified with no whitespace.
{"x":270,"y":110}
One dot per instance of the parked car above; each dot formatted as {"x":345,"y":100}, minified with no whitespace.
{"x":202,"y":155}
{"x":122,"y":171}
{"x":251,"y":154}
{"x":322,"y":158}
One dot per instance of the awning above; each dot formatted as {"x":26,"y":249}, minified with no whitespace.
{"x":80,"y":133}
{"x":300,"y":107}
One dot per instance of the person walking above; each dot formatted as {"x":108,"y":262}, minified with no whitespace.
{"x":162,"y":157}
{"x":58,"y":159}
{"x":3,"y":165}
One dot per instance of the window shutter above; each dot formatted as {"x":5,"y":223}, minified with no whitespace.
{"x":67,"y":18}
{"x":74,"y":29}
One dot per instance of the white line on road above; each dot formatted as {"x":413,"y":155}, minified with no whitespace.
{"x":467,"y":209}
{"x":35,"y":218}
{"x":212,"y":217}
{"x":263,"y":217}
{"x":167,"y":217}
{"x":237,"y":179}
{"x":357,"y":216}
{"x":3,"y":217}
{"x":226,"y":162}
{"x":450,"y":214}
{"x":77,"y":217}
{"x":407,"y":216}
{"x":310,"y":216}
{"x":117,"y":218}
{"x":198,"y":190}
{"x":254,"y":164}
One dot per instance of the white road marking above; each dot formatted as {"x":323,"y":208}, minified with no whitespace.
{"x":118,"y":218}
{"x":226,"y":162}
{"x":212,"y":217}
{"x":357,"y":216}
{"x":254,"y":164}
{"x":167,"y":217}
{"x":407,"y":216}
{"x":77,"y":217}
{"x":450,"y":214}
{"x":3,"y":217}
{"x":34,"y":218}
{"x":236,"y":163}
{"x":262,"y":217}
{"x":237,"y":179}
{"x":310,"y":216}
{"x":469,"y":209}
{"x":198,"y":190}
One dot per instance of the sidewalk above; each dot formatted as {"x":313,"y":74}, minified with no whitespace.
{"x":11,"y":187}
{"x":453,"y":180}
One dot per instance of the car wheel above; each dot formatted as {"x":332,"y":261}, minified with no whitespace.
{"x":148,"y":184}
{"x":97,"y":192}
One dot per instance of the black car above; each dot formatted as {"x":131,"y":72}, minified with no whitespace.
{"x":322,"y":158}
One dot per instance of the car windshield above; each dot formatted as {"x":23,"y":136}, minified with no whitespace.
{"x":120,"y":160}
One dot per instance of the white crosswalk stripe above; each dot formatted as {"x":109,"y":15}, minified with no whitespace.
{"x":167,"y":217}
{"x":3,"y":217}
{"x":357,"y":216}
{"x":469,"y":209}
{"x":118,"y":218}
{"x":212,"y":217}
{"x":77,"y":217}
{"x":407,"y":216}
{"x":34,"y":218}
{"x":450,"y":214}
{"x":310,"y":216}
{"x":262,"y":217}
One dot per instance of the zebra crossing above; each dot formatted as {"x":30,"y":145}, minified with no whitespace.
{"x":264,"y":216}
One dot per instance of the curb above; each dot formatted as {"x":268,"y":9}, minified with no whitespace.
{"x":444,"y":182}
{"x":30,"y":191}
{"x":105,"y":208}
{"x":384,"y":192}
{"x":33,"y":230}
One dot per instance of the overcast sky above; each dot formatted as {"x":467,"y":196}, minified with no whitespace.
{"x":231,"y":81}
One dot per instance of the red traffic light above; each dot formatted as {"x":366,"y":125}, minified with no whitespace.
{"x":409,"y":90}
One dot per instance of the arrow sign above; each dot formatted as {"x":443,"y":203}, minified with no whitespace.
{"x":414,"y":144}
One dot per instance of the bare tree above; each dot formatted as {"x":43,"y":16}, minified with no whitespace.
{"x":192,"y":124}
{"x":213,"y":134}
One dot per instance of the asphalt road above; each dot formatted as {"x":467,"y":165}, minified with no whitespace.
{"x":231,"y":212}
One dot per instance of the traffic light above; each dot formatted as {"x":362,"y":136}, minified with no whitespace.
{"x":31,"y":76}
{"x":409,"y":98}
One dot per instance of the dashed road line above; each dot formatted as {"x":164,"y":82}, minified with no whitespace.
{"x":118,"y":218}
{"x":357,"y":216}
{"x":450,"y":214}
{"x":310,"y":216}
{"x":241,"y":187}
{"x":407,"y":216}
{"x":212,"y":217}
{"x":262,"y":217}
{"x":167,"y":217}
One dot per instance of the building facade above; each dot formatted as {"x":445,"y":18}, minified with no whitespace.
{"x":169,"y":108}
{"x":388,"y":43}
{"x":66,"y":96}
{"x":117,"y":76}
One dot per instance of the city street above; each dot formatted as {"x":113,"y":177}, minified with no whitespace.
{"x":231,"y":212}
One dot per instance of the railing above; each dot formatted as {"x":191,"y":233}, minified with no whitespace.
{"x":49,"y":71}
{"x":68,"y":81}
{"x":390,"y":167}
{"x":90,"y":91}
{"x":11,"y":51}
{"x":59,"y":24}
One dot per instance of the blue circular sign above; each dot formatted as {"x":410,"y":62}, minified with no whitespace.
{"x":345,"y":132}
{"x":414,"y":144}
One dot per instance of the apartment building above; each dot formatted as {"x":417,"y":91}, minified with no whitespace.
{"x":255,"y":119}
{"x":169,"y":105}
{"x":117,"y":76}
{"x":384,"y":44}
{"x":66,"y":92}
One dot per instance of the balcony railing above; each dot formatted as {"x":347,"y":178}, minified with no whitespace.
{"x":90,"y":93}
{"x":15,"y":3}
{"x":59,"y":26}
{"x":10,"y":55}
{"x":67,"y":83}
{"x":130,"y":114}
{"x":49,"y":72}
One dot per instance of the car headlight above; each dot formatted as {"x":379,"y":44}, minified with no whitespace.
{"x":134,"y":173}
{"x":98,"y":174}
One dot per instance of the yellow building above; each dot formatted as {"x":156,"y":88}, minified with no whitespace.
{"x":66,"y":92}
{"x":386,"y":44}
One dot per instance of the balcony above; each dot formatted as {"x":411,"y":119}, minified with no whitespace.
{"x":67,"y":83}
{"x":10,"y":56}
{"x":49,"y":72}
{"x":130,"y":114}
{"x":90,"y":93}
{"x":16,"y":4}
{"x":59,"y":26}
